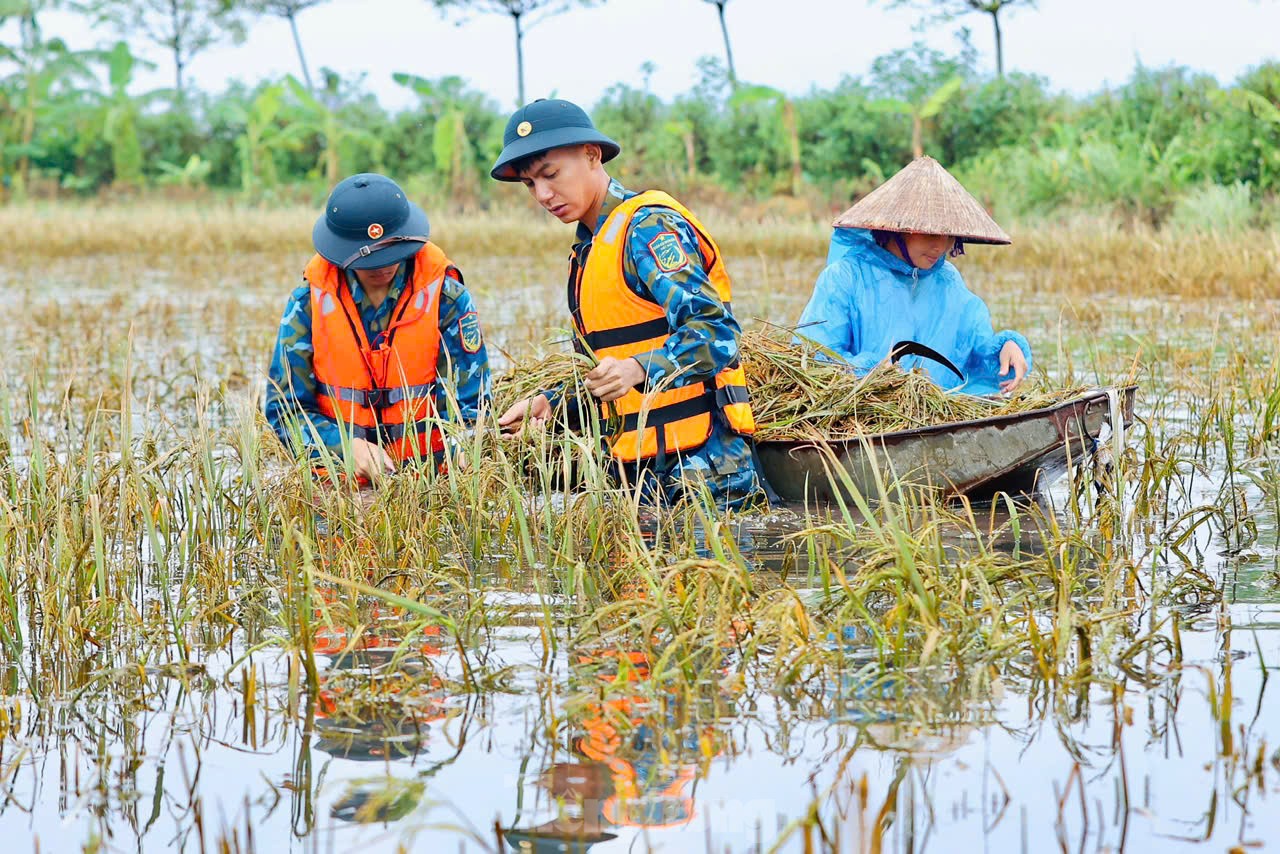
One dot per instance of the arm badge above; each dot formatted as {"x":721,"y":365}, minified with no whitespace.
{"x":668,"y":252}
{"x":469,"y":332}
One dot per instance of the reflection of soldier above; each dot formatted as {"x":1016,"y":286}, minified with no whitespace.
{"x":361,"y":713}
{"x":642,"y":765}
{"x":651,"y":787}
{"x":364,"y":710}
{"x":647,"y":792}
{"x":581,"y":788}
{"x":385,"y":799}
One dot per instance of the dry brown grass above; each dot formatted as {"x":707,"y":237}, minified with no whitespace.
{"x":1079,"y":256}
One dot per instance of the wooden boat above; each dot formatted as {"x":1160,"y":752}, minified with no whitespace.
{"x":1013,"y":454}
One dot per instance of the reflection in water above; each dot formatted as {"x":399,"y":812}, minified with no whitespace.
{"x":376,"y":702}
{"x":638,"y":748}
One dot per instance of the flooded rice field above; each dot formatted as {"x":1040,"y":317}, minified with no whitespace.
{"x":201,"y":650}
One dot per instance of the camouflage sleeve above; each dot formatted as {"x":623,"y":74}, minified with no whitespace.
{"x":463,"y":365}
{"x":664,"y":263}
{"x":290,"y":406}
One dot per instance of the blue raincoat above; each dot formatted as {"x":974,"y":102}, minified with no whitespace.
{"x":868,"y":299}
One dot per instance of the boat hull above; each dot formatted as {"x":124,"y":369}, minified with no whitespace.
{"x":1013,"y":454}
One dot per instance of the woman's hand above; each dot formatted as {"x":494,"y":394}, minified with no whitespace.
{"x":1011,"y":356}
{"x":613,"y":378}
{"x":533,"y":410}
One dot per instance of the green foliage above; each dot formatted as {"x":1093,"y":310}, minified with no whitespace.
{"x":1213,"y":207}
{"x":1167,"y":144}
{"x":1010,"y":110}
{"x":465,"y":132}
{"x":119,"y":117}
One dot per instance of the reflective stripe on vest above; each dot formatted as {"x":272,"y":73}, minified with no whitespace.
{"x":613,"y":320}
{"x":379,"y":396}
{"x":384,"y":433}
{"x":383,"y":394}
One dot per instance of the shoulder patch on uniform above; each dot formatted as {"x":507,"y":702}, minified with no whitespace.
{"x":454,"y":286}
{"x":453,"y":289}
{"x":667,"y":251}
{"x":469,"y":332}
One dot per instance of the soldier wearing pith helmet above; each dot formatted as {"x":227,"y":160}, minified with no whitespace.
{"x":380,"y":343}
{"x":649,"y":297}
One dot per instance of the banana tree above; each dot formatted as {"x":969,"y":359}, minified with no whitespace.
{"x":193,"y":173}
{"x":119,"y":111}
{"x":262,"y":137}
{"x":311,"y":117}
{"x":46,"y":71}
{"x":683,"y":129}
{"x":454,"y":141}
{"x":924,"y":111}
{"x":451,"y":150}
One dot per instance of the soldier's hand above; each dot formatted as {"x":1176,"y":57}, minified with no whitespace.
{"x":613,"y":378}
{"x":369,"y":460}
{"x":532,"y":410}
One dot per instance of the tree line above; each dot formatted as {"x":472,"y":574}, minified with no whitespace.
{"x":73,"y":121}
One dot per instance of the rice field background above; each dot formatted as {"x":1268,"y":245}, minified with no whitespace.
{"x":201,"y":650}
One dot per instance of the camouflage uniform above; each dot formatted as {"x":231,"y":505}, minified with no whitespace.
{"x":462,"y":368}
{"x":703,"y":342}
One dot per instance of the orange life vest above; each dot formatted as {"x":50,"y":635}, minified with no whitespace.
{"x":383,"y":394}
{"x":612,"y":320}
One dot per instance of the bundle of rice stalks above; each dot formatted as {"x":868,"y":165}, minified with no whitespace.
{"x":525,"y":379}
{"x":798,"y":394}
{"x":578,"y":412}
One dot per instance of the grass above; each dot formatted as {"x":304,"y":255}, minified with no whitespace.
{"x":159,"y":550}
{"x":1071,"y":255}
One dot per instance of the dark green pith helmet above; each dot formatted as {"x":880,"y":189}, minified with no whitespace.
{"x":549,"y":842}
{"x":369,"y":222}
{"x":542,"y":126}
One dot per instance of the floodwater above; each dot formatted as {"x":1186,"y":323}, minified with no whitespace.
{"x":1141,"y":771}
{"x":545,"y":754}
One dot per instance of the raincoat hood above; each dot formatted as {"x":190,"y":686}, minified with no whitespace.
{"x":868,"y":300}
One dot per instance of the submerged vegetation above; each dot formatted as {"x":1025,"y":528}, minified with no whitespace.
{"x":200,"y":645}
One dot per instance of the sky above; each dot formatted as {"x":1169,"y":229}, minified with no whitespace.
{"x":1081,"y":46}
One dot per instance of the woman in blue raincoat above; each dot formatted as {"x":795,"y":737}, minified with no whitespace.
{"x":888,"y":283}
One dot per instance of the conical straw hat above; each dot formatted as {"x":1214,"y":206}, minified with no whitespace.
{"x":924,"y":198}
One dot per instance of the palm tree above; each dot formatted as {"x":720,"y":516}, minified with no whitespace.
{"x":724,"y":32}
{"x":524,"y":14}
{"x":289,"y":10}
{"x":946,"y":10}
